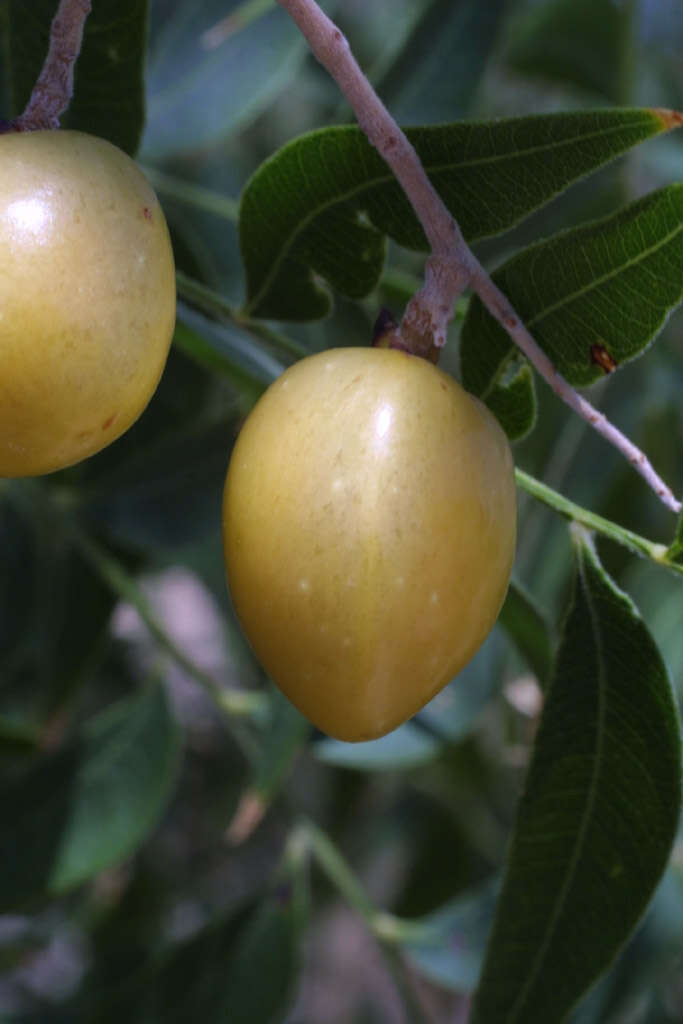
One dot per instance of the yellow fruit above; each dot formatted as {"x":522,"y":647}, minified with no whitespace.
{"x":87,"y":298}
{"x":369,"y":530}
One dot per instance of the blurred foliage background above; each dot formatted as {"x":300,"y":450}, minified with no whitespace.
{"x":201,"y":906}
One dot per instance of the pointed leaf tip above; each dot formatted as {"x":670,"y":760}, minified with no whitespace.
{"x":314,"y":217}
{"x":671,"y":119}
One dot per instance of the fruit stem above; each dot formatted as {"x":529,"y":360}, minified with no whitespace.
{"x":452,"y":266}
{"x":54,"y":88}
{"x":447,"y":272}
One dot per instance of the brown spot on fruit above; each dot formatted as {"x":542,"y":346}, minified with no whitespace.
{"x":146,"y":213}
{"x":108,"y":422}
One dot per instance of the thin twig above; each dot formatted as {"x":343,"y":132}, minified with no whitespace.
{"x":451,"y":266}
{"x":53,"y":90}
{"x":659,"y":553}
{"x":499,"y":307}
{"x":425,"y":321}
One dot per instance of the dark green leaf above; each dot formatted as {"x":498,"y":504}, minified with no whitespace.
{"x":523,"y":620}
{"x":585,"y":42}
{"x":5,"y":77}
{"x":512,"y":399}
{"x":592,"y":296}
{"x":598,"y":816}
{"x":323,"y":204}
{"x":657,"y":942}
{"x":108,"y":81}
{"x":54,"y":609}
{"x":676,"y":549}
{"x":237,"y":972}
{"x":90,"y":805}
{"x":17,"y":736}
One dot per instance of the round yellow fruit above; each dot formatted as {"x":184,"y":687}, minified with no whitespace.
{"x":369,"y":531}
{"x":87,"y":297}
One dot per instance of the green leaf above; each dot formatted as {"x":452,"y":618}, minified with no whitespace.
{"x":228,"y":350}
{"x":204,"y":85}
{"x":598,"y":292}
{"x":676,"y":550}
{"x":91,"y":804}
{"x":321,"y":206}
{"x":452,"y":950}
{"x":108,"y":95}
{"x":525,"y":623}
{"x":454,"y":36}
{"x":598,"y":816}
{"x":584,"y":42}
{"x":54,"y":609}
{"x":239,"y":971}
{"x":657,"y":942}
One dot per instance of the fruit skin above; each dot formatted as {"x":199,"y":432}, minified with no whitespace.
{"x":87,"y":297}
{"x":369,"y":520}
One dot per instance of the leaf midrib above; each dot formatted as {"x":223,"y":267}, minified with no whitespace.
{"x":431,"y":169}
{"x":597,"y":281}
{"x":573,"y":863}
{"x":572,"y":296}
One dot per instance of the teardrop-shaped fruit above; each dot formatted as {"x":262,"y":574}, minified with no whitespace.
{"x":369,"y":531}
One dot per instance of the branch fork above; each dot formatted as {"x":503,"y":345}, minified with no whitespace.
{"x":452,"y":267}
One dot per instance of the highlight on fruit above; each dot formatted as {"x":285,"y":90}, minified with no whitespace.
{"x":87,"y":297}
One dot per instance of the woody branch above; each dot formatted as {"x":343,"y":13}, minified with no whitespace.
{"x":54,"y":88}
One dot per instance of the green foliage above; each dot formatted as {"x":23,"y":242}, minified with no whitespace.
{"x":162,"y":833}
{"x":193,"y":984}
{"x":332,"y":186}
{"x":600,"y":291}
{"x":599,"y":813}
{"x":85,"y":807}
